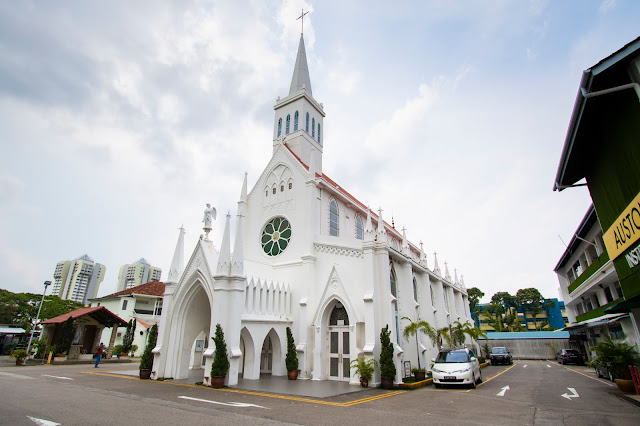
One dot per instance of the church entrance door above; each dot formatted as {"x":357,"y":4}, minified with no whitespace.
{"x":339,"y":344}
{"x":266,"y":357}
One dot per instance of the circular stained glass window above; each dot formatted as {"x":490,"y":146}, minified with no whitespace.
{"x":275,"y":236}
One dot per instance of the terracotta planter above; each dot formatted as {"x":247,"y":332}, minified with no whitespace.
{"x":145,"y":374}
{"x":292,"y":375}
{"x":364,"y":383}
{"x":386,"y":383}
{"x":420,"y":375}
{"x":625,"y":385}
{"x":19,"y":361}
{"x":217,"y":381}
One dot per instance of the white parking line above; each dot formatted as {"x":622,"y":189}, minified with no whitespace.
{"x":230,"y":404}
{"x":17,"y":376}
{"x":58,"y":377}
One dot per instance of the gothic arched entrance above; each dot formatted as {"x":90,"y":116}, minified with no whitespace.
{"x":339,"y":344}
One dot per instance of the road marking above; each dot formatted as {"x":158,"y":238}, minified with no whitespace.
{"x":548,"y":366}
{"x":17,"y":376}
{"x":524,"y":366}
{"x":42,"y":422}
{"x":58,"y":377}
{"x":502,"y":392}
{"x":592,"y":378}
{"x":230,"y":404}
{"x":573,"y":391}
{"x":268,"y":395}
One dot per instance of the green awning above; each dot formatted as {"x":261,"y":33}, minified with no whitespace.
{"x":624,"y":306}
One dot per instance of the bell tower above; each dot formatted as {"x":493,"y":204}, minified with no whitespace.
{"x":299,"y":117}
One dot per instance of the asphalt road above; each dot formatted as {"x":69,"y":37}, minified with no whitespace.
{"x":76,"y":395}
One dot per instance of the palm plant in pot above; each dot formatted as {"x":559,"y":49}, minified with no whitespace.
{"x":364,"y":368}
{"x":146,"y":362}
{"x":617,"y":357}
{"x":220,"y":365}
{"x":19,"y":355}
{"x":412,"y":329}
{"x":387,"y":366}
{"x":291,"y":361}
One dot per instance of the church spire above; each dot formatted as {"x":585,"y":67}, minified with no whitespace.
{"x":177,"y":264}
{"x":300,"y":77}
{"x":224,"y":258}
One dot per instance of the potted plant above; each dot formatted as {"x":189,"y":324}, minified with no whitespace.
{"x":412,"y":329}
{"x":616,"y":356}
{"x":291,"y":361}
{"x":133,"y":350}
{"x":146,"y":362}
{"x":220,"y":365}
{"x":387,"y":366}
{"x":19,"y":355}
{"x":364,"y":368}
{"x":118,"y":350}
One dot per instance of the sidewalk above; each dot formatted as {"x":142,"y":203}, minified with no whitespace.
{"x":6,"y":361}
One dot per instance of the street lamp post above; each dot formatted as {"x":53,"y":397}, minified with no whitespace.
{"x":46,"y":284}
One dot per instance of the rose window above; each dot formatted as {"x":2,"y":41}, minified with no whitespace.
{"x":275,"y":236}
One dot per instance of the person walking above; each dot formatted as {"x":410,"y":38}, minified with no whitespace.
{"x":99,"y":355}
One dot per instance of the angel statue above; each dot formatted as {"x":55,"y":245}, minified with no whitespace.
{"x":209,"y":217}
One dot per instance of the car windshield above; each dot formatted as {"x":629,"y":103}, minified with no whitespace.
{"x":453,"y":356}
{"x":499,"y":351}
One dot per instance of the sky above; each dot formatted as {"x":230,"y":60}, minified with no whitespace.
{"x":120,"y":120}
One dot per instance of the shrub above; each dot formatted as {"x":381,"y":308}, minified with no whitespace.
{"x":118,"y":349}
{"x":19,"y":354}
{"x":220,"y":365}
{"x":482,"y":359}
{"x":146,"y":362}
{"x":387,"y":367}
{"x":291,"y":361}
{"x":364,"y":368}
{"x":615,"y":356}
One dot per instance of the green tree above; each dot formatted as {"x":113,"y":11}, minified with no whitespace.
{"x":291,"y":360}
{"x":387,"y":367}
{"x":220,"y":365}
{"x":532,"y":302}
{"x":474,"y":294}
{"x":21,"y":308}
{"x":146,"y":361}
{"x":127,"y":340}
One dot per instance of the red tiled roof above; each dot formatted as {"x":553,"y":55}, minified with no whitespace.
{"x":142,"y":323}
{"x":99,"y":313}
{"x":332,"y":183}
{"x":152,"y":288}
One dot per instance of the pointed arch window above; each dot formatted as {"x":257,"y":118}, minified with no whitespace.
{"x":286,"y":128}
{"x":306,"y":128}
{"x":359,"y":228}
{"x":431,"y":293}
{"x":415,"y":290}
{"x":319,"y":140}
{"x":295,"y":122}
{"x":339,"y":315}
{"x":313,"y":128}
{"x":333,"y":218}
{"x":279,"y":127}
{"x":392,"y":281}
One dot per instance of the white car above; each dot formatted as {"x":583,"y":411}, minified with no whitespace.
{"x":456,"y":367}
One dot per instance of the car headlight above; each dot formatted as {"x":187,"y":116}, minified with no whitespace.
{"x":436,"y":370}
{"x":462,"y":371}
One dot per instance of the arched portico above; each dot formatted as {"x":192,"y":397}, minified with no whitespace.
{"x":193,"y":323}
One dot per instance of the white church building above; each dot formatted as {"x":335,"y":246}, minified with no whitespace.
{"x":307,"y":255}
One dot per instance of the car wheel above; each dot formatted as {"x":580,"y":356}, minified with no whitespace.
{"x":480,"y":378}
{"x":492,"y":363}
{"x":473,"y":381}
{"x":561,"y":362}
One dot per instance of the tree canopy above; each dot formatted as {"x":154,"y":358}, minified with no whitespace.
{"x":474,"y":294}
{"x":21,"y":308}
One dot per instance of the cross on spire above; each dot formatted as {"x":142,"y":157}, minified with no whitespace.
{"x":301,"y":17}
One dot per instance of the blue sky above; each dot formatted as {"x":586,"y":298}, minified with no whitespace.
{"x":119,"y":121}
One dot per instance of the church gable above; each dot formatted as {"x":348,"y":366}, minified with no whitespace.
{"x":335,"y":290}
{"x":201,"y":263}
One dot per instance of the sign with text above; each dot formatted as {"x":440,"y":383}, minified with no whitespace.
{"x":624,"y":231}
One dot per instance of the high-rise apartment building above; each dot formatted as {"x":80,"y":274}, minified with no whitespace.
{"x":136,"y":273}
{"x":78,"y":279}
